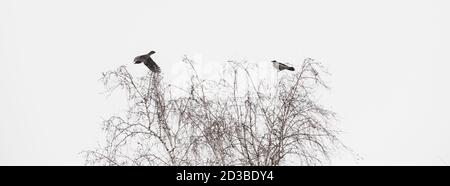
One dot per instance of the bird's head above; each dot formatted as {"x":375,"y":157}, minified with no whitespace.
{"x":151,"y":52}
{"x":274,"y":61}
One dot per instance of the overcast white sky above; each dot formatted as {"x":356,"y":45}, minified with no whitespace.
{"x":389,"y":61}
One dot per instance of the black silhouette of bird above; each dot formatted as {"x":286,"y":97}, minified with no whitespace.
{"x":280,"y":66}
{"x":148,"y":61}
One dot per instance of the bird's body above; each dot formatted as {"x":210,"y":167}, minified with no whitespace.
{"x":148,"y":61}
{"x":280,"y":66}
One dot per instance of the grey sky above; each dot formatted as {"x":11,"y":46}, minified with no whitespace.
{"x":389,"y":62}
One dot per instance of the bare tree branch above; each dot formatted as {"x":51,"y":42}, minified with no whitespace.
{"x":230,"y":121}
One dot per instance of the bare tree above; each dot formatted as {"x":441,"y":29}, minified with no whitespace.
{"x":235,"y":120}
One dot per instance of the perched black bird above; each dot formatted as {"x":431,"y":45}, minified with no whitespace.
{"x":280,"y":66}
{"x":148,"y":61}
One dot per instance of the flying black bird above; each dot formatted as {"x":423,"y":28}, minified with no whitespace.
{"x":280,"y":66}
{"x":148,"y":61}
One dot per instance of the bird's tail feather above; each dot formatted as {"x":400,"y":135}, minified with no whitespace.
{"x":291,"y":68}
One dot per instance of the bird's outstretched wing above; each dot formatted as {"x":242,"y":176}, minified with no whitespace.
{"x":152,"y":66}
